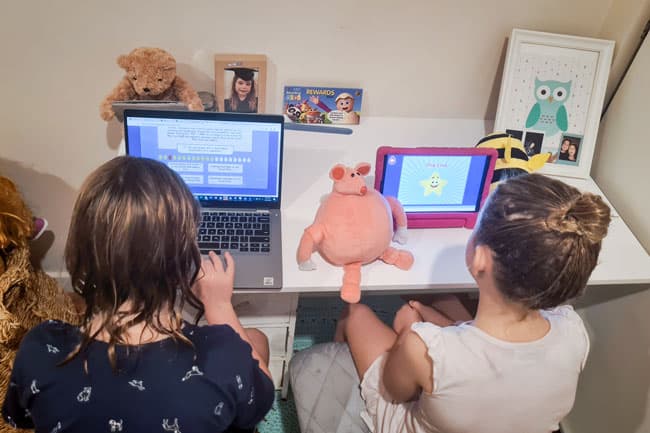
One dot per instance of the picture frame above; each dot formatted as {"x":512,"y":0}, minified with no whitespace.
{"x":231,"y":72}
{"x":552,"y":90}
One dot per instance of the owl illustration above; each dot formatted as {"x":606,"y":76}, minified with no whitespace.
{"x":549,"y":114}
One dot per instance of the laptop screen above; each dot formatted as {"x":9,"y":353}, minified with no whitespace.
{"x":436,"y":183}
{"x":224,"y":158}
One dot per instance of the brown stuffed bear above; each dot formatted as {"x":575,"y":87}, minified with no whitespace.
{"x":28,"y":296}
{"x":150,"y":75}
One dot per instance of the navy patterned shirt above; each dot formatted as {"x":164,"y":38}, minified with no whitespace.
{"x":165,"y":386}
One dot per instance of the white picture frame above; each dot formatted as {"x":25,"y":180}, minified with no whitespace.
{"x":540,"y":66}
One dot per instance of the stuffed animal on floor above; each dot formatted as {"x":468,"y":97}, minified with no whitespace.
{"x":150,"y":75}
{"x":353,"y":227}
{"x":512,"y":158}
{"x":28,"y":296}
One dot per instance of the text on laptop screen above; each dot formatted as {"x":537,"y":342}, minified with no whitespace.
{"x":427,"y":183}
{"x":218,"y":159}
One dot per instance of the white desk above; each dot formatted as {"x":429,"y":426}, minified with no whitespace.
{"x":440,"y":261}
{"x":439,"y":253}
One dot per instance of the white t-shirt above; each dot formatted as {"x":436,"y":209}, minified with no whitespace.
{"x":485,"y":385}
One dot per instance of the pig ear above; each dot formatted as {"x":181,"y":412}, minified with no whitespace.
{"x":363,"y":168}
{"x":337,"y":172}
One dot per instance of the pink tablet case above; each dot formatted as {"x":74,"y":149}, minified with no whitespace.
{"x":439,"y":219}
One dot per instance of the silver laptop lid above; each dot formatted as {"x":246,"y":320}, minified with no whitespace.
{"x":226,"y":159}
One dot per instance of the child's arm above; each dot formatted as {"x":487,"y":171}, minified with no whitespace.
{"x":214,"y":289}
{"x":408,"y":368}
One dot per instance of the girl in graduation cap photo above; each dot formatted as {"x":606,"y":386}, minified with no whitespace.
{"x":243,"y":97}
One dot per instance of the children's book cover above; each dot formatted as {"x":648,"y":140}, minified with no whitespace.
{"x":327,"y":105}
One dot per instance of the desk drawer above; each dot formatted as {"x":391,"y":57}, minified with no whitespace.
{"x":258,"y":310}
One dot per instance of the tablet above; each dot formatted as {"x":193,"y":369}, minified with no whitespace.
{"x":437,"y":186}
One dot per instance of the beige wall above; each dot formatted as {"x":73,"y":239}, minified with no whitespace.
{"x":623,"y":24}
{"x":417,"y":59}
{"x":620,"y":165}
{"x":613,"y":391}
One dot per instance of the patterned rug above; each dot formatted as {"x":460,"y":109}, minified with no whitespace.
{"x":315,"y":323}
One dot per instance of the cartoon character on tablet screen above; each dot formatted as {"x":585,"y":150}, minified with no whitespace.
{"x":433,"y":184}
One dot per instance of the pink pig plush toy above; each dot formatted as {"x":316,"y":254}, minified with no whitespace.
{"x":354,"y":226}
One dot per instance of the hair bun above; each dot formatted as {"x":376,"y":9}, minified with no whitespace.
{"x":586,"y":216}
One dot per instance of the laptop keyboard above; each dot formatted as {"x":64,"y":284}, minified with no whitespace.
{"x":246,"y":232}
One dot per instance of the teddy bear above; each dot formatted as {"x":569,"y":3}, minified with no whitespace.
{"x":150,"y":75}
{"x":28,"y":296}
{"x":512,"y":157}
{"x":354,"y":226}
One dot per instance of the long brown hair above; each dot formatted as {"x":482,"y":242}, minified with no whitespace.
{"x":132,"y":238}
{"x":545,"y":236}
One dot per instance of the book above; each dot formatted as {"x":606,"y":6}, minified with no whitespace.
{"x":323,"y":105}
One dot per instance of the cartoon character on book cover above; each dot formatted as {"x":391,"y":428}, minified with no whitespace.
{"x":327,"y":105}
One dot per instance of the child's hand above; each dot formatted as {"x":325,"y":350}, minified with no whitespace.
{"x":214,"y":285}
{"x":430,"y":314}
{"x":405,"y":317}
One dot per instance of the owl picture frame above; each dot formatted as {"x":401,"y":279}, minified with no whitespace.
{"x":551,"y":97}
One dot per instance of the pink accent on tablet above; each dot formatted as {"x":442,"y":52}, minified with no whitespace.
{"x":438,"y":186}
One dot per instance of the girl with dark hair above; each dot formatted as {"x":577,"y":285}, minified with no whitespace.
{"x":564,"y":149}
{"x":243,"y":96}
{"x":134,"y":364}
{"x":532,"y":251}
{"x":573,"y":152}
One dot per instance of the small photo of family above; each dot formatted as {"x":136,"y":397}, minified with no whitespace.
{"x":569,"y":149}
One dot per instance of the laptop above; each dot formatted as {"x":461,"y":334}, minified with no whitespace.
{"x":438,"y":187}
{"x":232,"y":163}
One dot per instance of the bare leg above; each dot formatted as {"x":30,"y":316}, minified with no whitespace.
{"x":449,"y":305}
{"x":367,"y":336}
{"x":452,"y":307}
{"x":260,"y":343}
{"x":405,"y":317}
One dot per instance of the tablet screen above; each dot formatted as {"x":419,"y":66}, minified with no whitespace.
{"x":435,"y":183}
